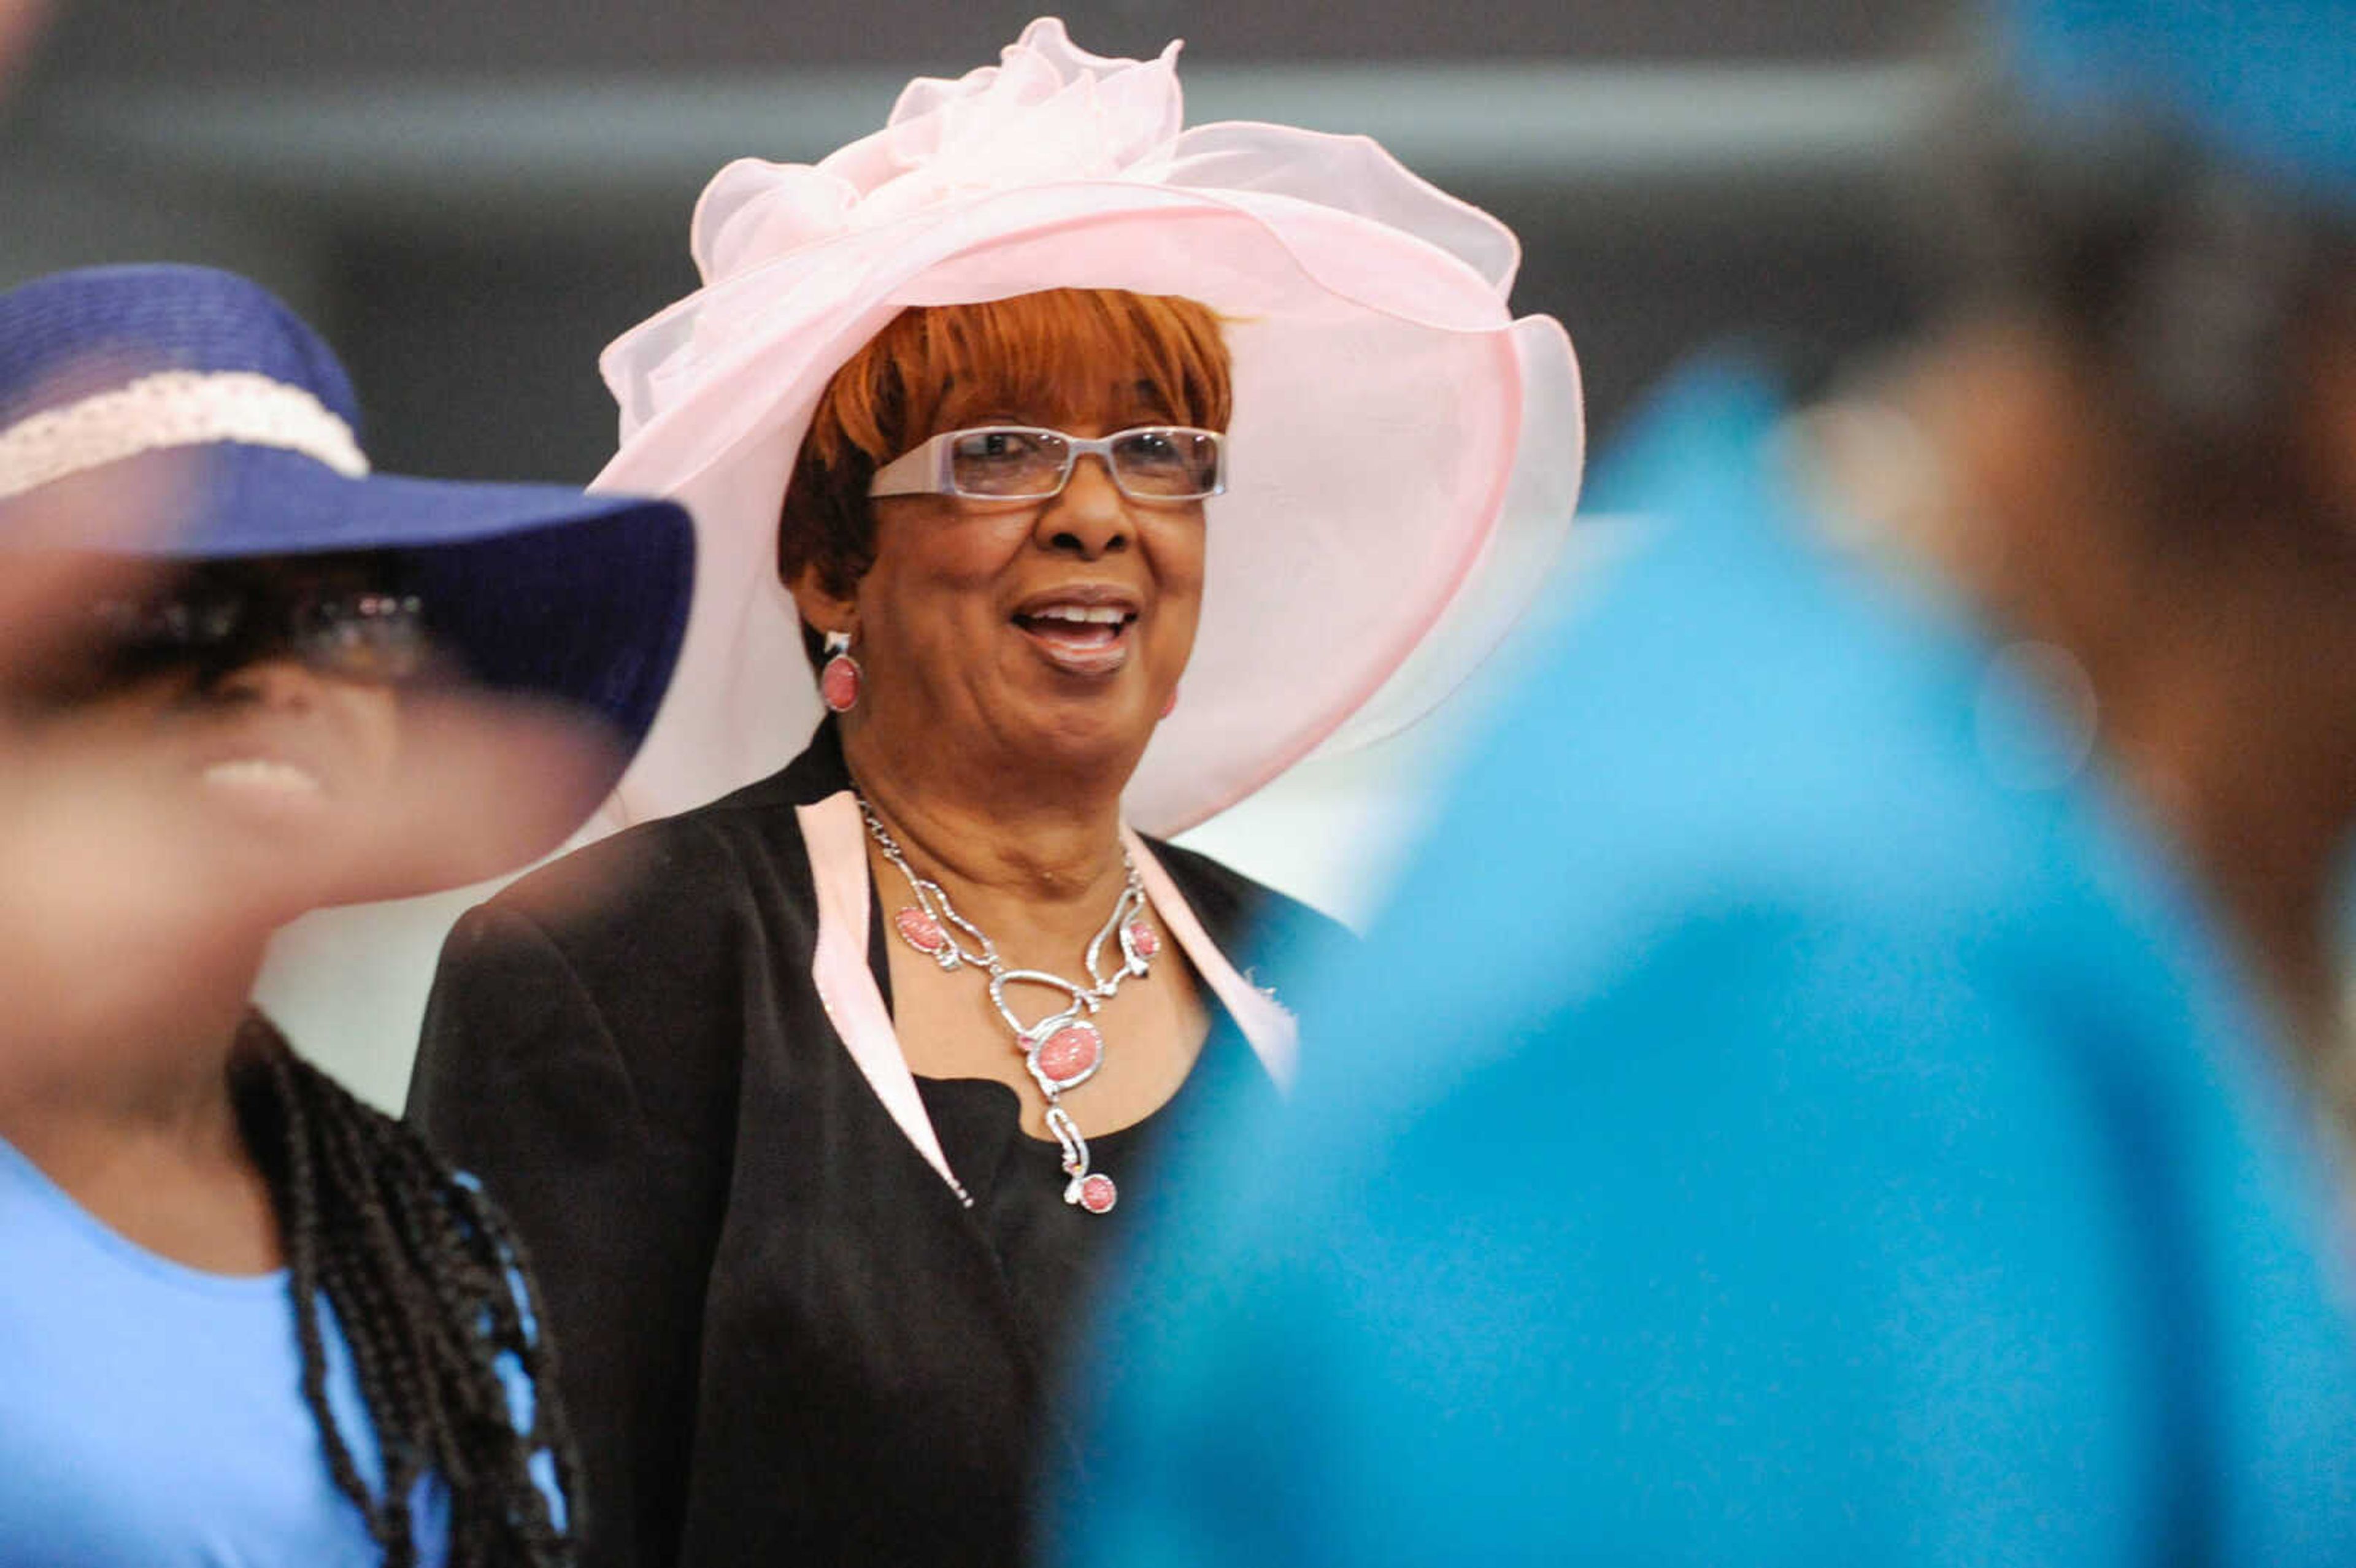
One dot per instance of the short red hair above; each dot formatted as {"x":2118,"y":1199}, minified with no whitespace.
{"x":1031,"y":351}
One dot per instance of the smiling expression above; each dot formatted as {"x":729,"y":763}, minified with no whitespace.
{"x":277,"y":773}
{"x":1059,"y":625}
{"x":1009,"y":635}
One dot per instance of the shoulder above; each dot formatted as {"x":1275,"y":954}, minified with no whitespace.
{"x":616,"y":975}
{"x":674,"y":871}
{"x":1755,"y":782}
{"x":667,"y":888}
{"x":613,"y":976}
{"x":1245,"y":915}
{"x":1746,"y":717}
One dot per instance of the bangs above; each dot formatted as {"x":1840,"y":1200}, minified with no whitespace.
{"x":1061,"y":352}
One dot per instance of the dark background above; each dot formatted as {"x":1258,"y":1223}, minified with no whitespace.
{"x":471,"y":196}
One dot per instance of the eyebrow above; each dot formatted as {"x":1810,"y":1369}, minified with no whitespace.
{"x":1150,"y":397}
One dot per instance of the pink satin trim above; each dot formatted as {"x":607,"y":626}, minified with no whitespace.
{"x":837,"y":842}
{"x":1274,"y":1033}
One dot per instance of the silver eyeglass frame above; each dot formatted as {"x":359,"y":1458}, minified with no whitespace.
{"x":928,"y":469}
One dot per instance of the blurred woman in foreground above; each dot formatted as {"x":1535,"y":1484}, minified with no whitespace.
{"x":243,"y":1317}
{"x":1002,"y":421}
{"x":1898,"y":940}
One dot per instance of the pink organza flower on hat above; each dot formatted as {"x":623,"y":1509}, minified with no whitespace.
{"x":1049,"y":112}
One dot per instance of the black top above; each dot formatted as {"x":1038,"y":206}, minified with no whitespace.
{"x":1048,"y":1249}
{"x":780,"y":1336}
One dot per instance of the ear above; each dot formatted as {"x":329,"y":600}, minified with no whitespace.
{"x":826,"y":611}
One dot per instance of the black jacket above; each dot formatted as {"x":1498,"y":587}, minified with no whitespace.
{"x":780,"y":1336}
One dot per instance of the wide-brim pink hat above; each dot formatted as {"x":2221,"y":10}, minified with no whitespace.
{"x":1405,"y":455}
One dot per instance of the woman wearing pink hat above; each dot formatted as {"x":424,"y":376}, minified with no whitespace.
{"x":818,"y":1102}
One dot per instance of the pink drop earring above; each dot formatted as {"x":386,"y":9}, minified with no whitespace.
{"x":840,"y":678}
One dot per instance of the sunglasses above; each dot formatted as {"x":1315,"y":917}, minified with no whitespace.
{"x":343,"y":616}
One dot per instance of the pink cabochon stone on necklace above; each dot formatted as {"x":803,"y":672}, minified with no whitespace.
{"x":919,"y":930}
{"x":1072,"y":1051}
{"x":1141,"y":940}
{"x":1097,"y":1193}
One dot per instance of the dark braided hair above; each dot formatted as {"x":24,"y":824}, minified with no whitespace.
{"x":430,"y":1291}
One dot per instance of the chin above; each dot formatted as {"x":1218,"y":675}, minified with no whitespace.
{"x":1094,"y":732}
{"x":281,"y":870}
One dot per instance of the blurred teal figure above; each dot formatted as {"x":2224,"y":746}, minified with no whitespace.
{"x":1852,"y":1078}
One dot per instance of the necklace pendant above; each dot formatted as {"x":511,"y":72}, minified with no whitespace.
{"x":1090,"y":1190}
{"x":1060,"y":1051}
{"x":1094,"y":1193}
{"x":923,"y":933}
{"x":1066,"y":1056}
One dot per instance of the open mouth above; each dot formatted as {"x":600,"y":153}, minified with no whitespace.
{"x":265,"y":788}
{"x":1088,"y":639}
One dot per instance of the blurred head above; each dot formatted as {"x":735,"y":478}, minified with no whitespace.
{"x":2169,"y":188}
{"x":1051,"y":628}
{"x":274,"y":597}
{"x":256,"y":704}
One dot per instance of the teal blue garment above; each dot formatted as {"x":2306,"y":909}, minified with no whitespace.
{"x":1778,"y":1123}
{"x":2270,"y":88}
{"x":152,"y":1416}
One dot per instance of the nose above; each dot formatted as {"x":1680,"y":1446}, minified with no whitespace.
{"x":1090,"y":517}
{"x":279,"y":683}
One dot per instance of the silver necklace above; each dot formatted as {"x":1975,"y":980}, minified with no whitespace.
{"x":1064,"y":1049}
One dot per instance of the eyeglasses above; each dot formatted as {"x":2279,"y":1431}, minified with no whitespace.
{"x":1022,"y":462}
{"x":223,"y":616}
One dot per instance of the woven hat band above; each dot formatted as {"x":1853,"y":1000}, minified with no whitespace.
{"x":172,"y":409}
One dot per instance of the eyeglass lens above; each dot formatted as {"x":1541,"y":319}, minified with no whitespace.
{"x":1157,"y":462}
{"x":223,"y":617}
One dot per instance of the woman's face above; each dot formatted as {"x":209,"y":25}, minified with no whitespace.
{"x":278,"y":772}
{"x":1042,"y":632}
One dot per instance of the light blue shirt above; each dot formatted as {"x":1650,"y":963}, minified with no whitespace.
{"x":152,"y":1415}
{"x":1793,"y":1114}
